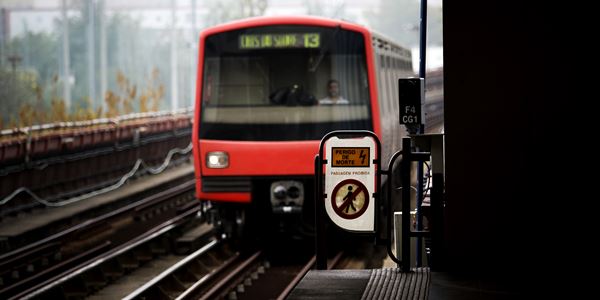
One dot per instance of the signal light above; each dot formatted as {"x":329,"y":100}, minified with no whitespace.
{"x":279,"y":192}
{"x":293,"y":192}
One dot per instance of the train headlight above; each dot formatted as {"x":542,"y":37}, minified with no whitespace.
{"x":217,"y":160}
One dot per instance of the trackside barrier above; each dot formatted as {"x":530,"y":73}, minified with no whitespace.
{"x":434,"y":144}
{"x":349,"y":191}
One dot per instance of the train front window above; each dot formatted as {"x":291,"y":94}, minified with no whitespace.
{"x":265,"y":83}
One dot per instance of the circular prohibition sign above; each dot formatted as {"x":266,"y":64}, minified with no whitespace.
{"x":350,"y":199}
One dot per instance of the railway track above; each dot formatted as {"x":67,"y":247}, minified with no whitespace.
{"x":163,"y":263}
{"x":46,"y":258}
{"x":92,"y":275}
{"x":216,"y":272}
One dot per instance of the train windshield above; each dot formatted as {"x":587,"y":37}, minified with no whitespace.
{"x":284,"y":83}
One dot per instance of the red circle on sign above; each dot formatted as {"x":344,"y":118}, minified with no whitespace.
{"x":349,"y":199}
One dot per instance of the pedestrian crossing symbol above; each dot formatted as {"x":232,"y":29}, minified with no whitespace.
{"x":350,"y":199}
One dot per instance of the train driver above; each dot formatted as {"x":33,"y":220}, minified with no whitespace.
{"x":333,"y":94}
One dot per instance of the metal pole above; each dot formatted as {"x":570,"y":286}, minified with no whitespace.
{"x":91,"y":37}
{"x":422,"y":72}
{"x":423,"y":39}
{"x":320,"y":232}
{"x":437,"y":204}
{"x":193,"y":56}
{"x":419,"y":213}
{"x":103,"y":76}
{"x":405,"y":173}
{"x":65,"y":56}
{"x":26,"y":51}
{"x":174,"y":96}
{"x":3,"y":33}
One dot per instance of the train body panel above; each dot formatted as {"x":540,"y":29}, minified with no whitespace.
{"x":253,"y":159}
{"x":262,"y":158}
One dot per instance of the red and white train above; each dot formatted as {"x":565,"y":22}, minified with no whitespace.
{"x":257,"y":123}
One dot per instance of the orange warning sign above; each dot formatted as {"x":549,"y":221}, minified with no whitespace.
{"x":350,"y":157}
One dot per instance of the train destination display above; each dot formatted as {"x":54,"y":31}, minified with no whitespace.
{"x":285,"y":40}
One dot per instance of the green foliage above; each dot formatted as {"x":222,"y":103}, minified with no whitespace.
{"x":58,"y":110}
{"x":33,"y":93}
{"x":122,"y":100}
{"x":112,"y":103}
{"x":127,"y":98}
{"x":17,"y":89}
{"x":154,"y":92}
{"x":32,"y":110}
{"x":84,"y":112}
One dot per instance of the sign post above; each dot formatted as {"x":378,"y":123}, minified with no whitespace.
{"x":410,"y":93}
{"x":347,"y":177}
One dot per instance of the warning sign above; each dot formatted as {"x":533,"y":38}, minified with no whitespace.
{"x":350,"y":157}
{"x":350,"y":179}
{"x":350,"y":199}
